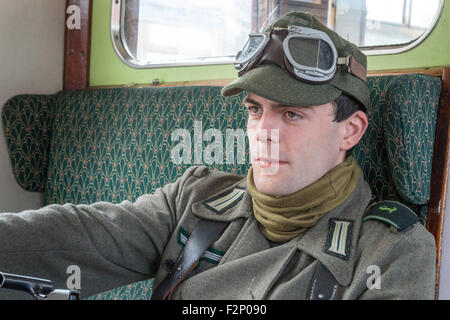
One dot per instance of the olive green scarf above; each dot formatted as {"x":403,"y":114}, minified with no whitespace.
{"x":283,"y":218}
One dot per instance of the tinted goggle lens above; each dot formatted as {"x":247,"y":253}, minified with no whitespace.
{"x":311,"y":53}
{"x":255,"y":43}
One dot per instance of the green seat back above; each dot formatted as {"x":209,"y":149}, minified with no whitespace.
{"x":115,"y":144}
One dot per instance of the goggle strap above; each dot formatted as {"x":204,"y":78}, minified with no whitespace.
{"x":354,"y":67}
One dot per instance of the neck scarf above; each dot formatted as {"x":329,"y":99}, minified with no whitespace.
{"x":283,"y":218}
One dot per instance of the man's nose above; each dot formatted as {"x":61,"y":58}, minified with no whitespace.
{"x":268,"y":128}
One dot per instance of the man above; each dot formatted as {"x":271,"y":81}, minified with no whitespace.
{"x":292,"y":229}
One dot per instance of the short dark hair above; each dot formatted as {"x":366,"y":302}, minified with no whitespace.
{"x":345,"y":106}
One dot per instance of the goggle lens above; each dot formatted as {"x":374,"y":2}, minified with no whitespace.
{"x":311,"y":53}
{"x":326,"y":56}
{"x":254,"y":43}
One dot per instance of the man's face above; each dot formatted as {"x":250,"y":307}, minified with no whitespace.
{"x":307,"y":146}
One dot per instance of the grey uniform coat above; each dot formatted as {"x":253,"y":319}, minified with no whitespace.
{"x":117,"y":244}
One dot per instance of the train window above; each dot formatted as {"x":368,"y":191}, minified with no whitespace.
{"x":156,"y":33}
{"x":153,"y":33}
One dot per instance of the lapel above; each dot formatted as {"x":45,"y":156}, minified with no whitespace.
{"x":248,"y":239}
{"x":225,"y":205}
{"x":317,"y":241}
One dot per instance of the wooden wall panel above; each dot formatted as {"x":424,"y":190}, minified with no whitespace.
{"x":439,"y":173}
{"x":77,"y":44}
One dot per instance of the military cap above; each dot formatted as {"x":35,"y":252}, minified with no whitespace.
{"x":272,"y":82}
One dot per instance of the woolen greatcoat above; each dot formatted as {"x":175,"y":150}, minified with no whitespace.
{"x":117,"y":244}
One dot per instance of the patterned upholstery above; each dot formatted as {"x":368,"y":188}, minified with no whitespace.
{"x":27,"y":122}
{"x":397,"y":149}
{"x":409,"y":131}
{"x":115,"y":144}
{"x":135,"y":291}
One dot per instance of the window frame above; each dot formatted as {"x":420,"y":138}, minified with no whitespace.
{"x":403,"y":47}
{"x":124,"y":53}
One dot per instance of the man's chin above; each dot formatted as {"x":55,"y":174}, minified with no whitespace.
{"x":270,"y":184}
{"x":272,"y":190}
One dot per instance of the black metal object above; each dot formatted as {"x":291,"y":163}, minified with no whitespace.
{"x":40,"y":289}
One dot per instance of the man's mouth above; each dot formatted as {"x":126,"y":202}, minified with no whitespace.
{"x":267,"y":163}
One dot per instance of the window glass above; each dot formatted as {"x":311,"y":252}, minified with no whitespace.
{"x":180,"y":30}
{"x":403,"y":21}
{"x":190,"y":32}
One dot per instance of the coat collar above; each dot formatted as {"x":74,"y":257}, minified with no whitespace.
{"x":236,"y":199}
{"x":314,"y":241}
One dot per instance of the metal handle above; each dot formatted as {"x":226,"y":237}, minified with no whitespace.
{"x":40,"y":289}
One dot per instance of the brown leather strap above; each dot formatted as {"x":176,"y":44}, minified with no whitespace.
{"x":354,"y":67}
{"x":357,"y":69}
{"x":274,"y":49}
{"x":323,"y":285}
{"x":205,"y":232}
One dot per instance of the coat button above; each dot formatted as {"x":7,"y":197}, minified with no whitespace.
{"x":168,"y":265}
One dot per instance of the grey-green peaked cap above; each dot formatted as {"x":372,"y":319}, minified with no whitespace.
{"x":272,"y":82}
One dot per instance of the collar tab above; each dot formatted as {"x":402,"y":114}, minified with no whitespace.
{"x":339,"y":239}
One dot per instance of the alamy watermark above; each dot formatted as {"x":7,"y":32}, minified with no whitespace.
{"x":73,"y":22}
{"x":220,"y":150}
{"x":192,"y":152}
{"x":74,"y":280}
{"x":374,"y":280}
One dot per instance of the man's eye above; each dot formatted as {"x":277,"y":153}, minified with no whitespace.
{"x":292,"y":115}
{"x":254,"y":110}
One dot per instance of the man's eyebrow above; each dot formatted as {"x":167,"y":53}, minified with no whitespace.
{"x":250,"y":100}
{"x":276,"y":105}
{"x":308,"y":109}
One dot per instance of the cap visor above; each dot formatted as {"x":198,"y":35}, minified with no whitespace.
{"x":271,"y":82}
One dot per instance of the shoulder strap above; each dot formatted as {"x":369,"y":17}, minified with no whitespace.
{"x":392,"y":213}
{"x":205,"y":232}
{"x":323,"y":285}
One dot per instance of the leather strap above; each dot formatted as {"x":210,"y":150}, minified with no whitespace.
{"x":357,"y":69}
{"x":323,"y":285}
{"x":205,"y":233}
{"x":274,"y":49}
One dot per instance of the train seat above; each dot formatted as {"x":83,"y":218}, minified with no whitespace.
{"x":116,"y":144}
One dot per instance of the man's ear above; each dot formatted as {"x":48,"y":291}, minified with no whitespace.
{"x":354,"y":128}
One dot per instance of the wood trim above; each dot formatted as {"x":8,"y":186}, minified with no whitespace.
{"x":439,"y":172}
{"x":77,"y":45}
{"x":435,"y":72}
{"x":220,"y":82}
{"x":332,"y":14}
{"x":431,"y":71}
{"x":306,"y":5}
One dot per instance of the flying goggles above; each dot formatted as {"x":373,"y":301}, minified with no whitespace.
{"x":307,"y":54}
